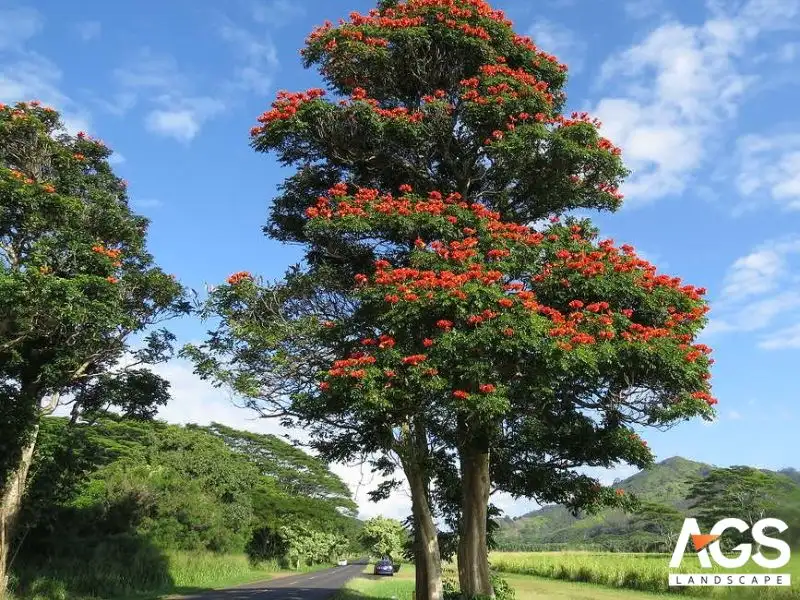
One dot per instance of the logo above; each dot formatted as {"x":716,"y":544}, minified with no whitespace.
{"x":708,"y":549}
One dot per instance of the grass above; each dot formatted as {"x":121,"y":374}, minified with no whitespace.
{"x":175,"y":573}
{"x":401,"y":587}
{"x":210,"y":571}
{"x":577,"y":576}
{"x":645,"y":572}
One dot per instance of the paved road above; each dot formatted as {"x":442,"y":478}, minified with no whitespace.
{"x":319,"y":585}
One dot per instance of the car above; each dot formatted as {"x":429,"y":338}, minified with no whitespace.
{"x":384,"y":567}
{"x":342,"y":562}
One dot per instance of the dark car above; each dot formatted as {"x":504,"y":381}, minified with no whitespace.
{"x":384,"y":567}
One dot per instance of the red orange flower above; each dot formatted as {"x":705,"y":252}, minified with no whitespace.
{"x":239,"y":277}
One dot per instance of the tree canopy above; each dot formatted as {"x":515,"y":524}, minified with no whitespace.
{"x":439,"y":321}
{"x":383,"y":537}
{"x":182,"y":488}
{"x":76,"y":284}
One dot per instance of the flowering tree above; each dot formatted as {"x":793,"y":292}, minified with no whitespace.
{"x":75,"y":283}
{"x":523,"y":353}
{"x":543,"y":348}
{"x":431,"y":324}
{"x":383,"y":536}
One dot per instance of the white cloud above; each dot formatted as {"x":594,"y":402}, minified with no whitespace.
{"x":88,"y":30}
{"x":734,"y":415}
{"x":360,"y":481}
{"x":786,"y":339}
{"x":257,"y":55}
{"x":560,"y":41}
{"x":182,"y":125}
{"x":643,"y":9}
{"x":116,"y":159}
{"x":761,"y":290}
{"x":148,"y":203}
{"x":150,"y":71}
{"x":675,"y":90}
{"x":277,"y":13}
{"x":197,"y":401}
{"x":756,"y":273}
{"x":769,"y":171}
{"x":26,"y":75}
{"x":173,"y":110}
{"x":176,"y":103}
{"x":117,"y":105}
{"x":17,"y":25}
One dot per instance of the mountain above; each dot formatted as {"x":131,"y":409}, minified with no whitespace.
{"x":664,"y":484}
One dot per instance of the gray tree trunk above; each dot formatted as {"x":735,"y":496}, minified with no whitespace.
{"x":473,"y":552}
{"x":429,"y":562}
{"x":10,"y":505}
{"x":414,"y":457}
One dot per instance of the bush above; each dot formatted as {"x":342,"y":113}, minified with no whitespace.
{"x":502,"y":589}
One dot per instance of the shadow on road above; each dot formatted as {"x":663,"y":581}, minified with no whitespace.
{"x":318,"y":585}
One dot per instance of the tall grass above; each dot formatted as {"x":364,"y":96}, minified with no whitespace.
{"x":646,"y":572}
{"x":207,"y":570}
{"x":142,"y":575}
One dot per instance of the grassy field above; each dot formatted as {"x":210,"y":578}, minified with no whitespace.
{"x":186,"y":572}
{"x":401,"y":587}
{"x":645,"y":572}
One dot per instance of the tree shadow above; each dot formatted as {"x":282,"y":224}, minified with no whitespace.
{"x":72,"y":562}
{"x":318,"y":585}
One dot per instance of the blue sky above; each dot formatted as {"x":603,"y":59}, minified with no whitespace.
{"x":700,"y":96}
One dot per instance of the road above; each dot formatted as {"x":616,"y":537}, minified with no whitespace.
{"x":319,"y":585}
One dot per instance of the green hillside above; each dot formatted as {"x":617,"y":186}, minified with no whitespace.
{"x":662,"y":488}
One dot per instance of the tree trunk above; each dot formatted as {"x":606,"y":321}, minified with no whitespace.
{"x":10,"y":505}
{"x":420,"y":570}
{"x":429,"y":562}
{"x":473,"y":552}
{"x":412,"y":448}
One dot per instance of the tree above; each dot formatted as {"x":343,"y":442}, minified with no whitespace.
{"x":76,"y":283}
{"x":383,"y":537}
{"x":116,"y":485}
{"x":445,"y":138}
{"x":661,"y":520}
{"x":304,"y":544}
{"x":505,"y":336}
{"x":744,"y":493}
{"x":295,"y":472}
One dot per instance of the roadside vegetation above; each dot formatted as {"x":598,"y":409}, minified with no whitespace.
{"x":401,"y":587}
{"x":119,"y":507}
{"x":638,"y":571}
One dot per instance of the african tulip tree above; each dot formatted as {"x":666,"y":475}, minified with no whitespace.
{"x":524,"y":353}
{"x":440,"y":138}
{"x":542,"y":348}
{"x":76,"y":282}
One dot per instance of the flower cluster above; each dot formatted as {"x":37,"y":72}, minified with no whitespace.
{"x":112,"y":253}
{"x":502,"y":83}
{"x":471,"y":30}
{"x":397,"y":113}
{"x":353,"y":366}
{"x":19,"y":176}
{"x":285,"y":107}
{"x":356,"y":35}
{"x":470,"y":17}
{"x":20,"y":109}
{"x":239,"y":277}
{"x":467,"y":278}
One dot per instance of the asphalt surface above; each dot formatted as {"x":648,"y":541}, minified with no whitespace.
{"x":319,"y":585}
